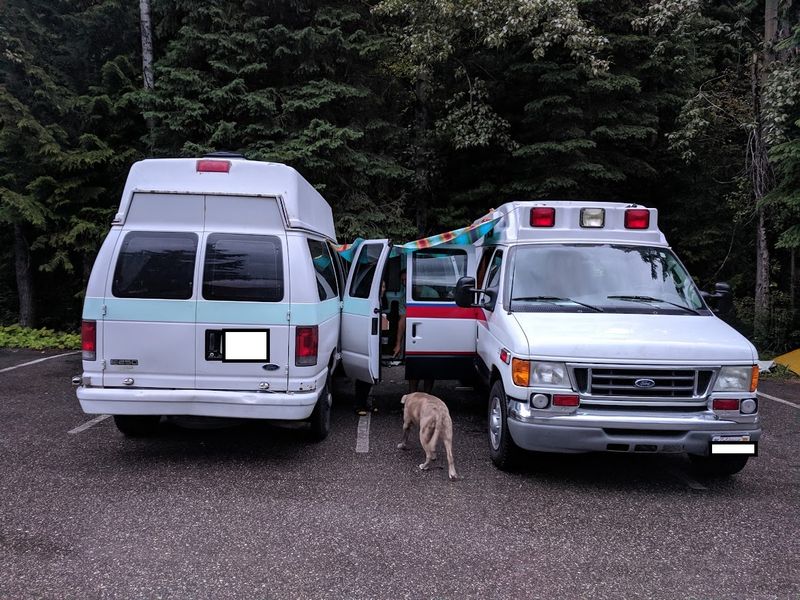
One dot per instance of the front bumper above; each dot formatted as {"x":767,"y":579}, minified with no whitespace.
{"x":203,"y":403}
{"x":592,"y":431}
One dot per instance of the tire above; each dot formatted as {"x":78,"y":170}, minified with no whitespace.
{"x":137,"y":425}
{"x":320,"y":419}
{"x":502,"y":449}
{"x":718,"y":466}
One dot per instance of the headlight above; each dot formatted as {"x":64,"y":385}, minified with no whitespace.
{"x":737,"y":379}
{"x":549,"y":374}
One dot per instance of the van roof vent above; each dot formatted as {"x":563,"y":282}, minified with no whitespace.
{"x":224,"y":154}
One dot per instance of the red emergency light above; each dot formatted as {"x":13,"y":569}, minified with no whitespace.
{"x":543,"y":216}
{"x":637,"y":218}
{"x":213,"y":166}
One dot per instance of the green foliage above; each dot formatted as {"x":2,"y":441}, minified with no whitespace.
{"x":14,"y":336}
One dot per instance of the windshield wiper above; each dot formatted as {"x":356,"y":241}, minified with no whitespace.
{"x":651,"y":299}
{"x":555,"y":300}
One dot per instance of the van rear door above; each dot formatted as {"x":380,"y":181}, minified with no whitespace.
{"x":149,"y":298}
{"x":242,"y":330}
{"x":361,"y":312}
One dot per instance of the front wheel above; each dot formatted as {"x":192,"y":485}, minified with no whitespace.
{"x":718,"y":466}
{"x":137,"y":425}
{"x":321,"y":417}
{"x":502,"y":449}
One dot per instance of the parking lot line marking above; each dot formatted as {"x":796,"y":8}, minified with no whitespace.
{"x":362,"y":439}
{"x":781,"y":400}
{"x":38,"y":360}
{"x":88,"y":424}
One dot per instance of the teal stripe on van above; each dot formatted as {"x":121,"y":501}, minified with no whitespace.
{"x":183,"y":311}
{"x":358,"y":306}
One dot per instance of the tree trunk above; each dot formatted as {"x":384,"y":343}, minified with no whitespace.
{"x":148,"y":76}
{"x":22,"y":265}
{"x":147,"y":45}
{"x":422,"y":173}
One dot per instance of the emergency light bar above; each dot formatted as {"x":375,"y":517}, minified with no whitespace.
{"x":637,"y":218}
{"x":543,"y":216}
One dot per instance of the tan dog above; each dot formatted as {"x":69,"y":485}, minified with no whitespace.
{"x":433,"y":419}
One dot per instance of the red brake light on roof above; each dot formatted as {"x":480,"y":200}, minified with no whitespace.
{"x":306,"y":345}
{"x":89,"y":340}
{"x":637,"y":218}
{"x":213,"y":166}
{"x":543,"y":216}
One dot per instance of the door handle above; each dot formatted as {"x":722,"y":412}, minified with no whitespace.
{"x":374,"y":325}
{"x":414,"y":330}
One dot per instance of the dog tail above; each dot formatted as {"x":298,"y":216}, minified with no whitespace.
{"x":403,"y":399}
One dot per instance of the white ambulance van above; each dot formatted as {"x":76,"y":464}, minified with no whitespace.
{"x":216,"y":293}
{"x":588,"y":332}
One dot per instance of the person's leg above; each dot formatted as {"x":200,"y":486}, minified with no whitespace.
{"x":362,"y":396}
{"x":401,"y":336}
{"x":427,"y":386}
{"x":413,"y":384}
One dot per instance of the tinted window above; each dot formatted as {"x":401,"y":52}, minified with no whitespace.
{"x":436,"y":273}
{"x":155,"y":264}
{"x":493,"y":278}
{"x":323,"y":269}
{"x":243,"y":267}
{"x":365,"y":270}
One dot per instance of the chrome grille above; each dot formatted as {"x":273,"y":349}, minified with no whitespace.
{"x":620,"y":382}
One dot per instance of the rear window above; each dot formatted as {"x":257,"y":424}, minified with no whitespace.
{"x":242,"y":267}
{"x":155,"y":264}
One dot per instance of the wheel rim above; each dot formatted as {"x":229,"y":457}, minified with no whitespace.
{"x":495,"y":423}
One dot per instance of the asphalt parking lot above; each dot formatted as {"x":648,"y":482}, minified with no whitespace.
{"x":257,"y":511}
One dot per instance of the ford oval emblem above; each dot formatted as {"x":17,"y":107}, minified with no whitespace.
{"x":644,"y":383}
{"x":271,"y":367}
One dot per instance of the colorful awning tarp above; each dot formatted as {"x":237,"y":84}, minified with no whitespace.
{"x":790,"y":360}
{"x":465,"y":235}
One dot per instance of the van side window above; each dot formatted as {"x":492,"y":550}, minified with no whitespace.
{"x":435,"y":274}
{"x":483,"y":265}
{"x":243,"y":267}
{"x":324,"y":270}
{"x":493,"y":278}
{"x":365,"y":270}
{"x":339,"y":266}
{"x":155,"y":264}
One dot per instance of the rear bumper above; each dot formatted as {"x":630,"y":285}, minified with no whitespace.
{"x":203,"y":403}
{"x":586,"y":432}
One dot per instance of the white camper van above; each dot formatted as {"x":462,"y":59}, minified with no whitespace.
{"x":216,"y":293}
{"x":588,"y":332}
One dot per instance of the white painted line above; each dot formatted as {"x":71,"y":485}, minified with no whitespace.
{"x":38,"y":360}
{"x":88,"y":424}
{"x":362,"y":440}
{"x":782,"y":401}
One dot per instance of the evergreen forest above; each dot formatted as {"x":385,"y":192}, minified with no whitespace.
{"x":412,"y":117}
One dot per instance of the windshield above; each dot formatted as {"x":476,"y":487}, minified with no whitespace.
{"x":600,"y":278}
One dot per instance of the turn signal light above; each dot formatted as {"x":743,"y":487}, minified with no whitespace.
{"x":754,"y":378}
{"x":543,"y":216}
{"x":520,"y":372}
{"x":637,"y":218}
{"x":89,"y":340}
{"x":566,"y":400}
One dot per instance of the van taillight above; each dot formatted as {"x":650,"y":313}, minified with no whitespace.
{"x":213,"y":166}
{"x":306,"y":343}
{"x":637,"y":218}
{"x":89,"y":340}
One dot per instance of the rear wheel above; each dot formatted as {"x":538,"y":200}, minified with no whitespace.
{"x":321,"y":417}
{"x":137,"y":425}
{"x":502,"y":449}
{"x":718,"y":466}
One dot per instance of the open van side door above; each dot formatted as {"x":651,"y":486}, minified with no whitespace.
{"x":361,"y":312}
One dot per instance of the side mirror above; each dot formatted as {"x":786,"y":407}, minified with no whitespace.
{"x":464,"y":294}
{"x":721,"y":299}
{"x":465,"y":291}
